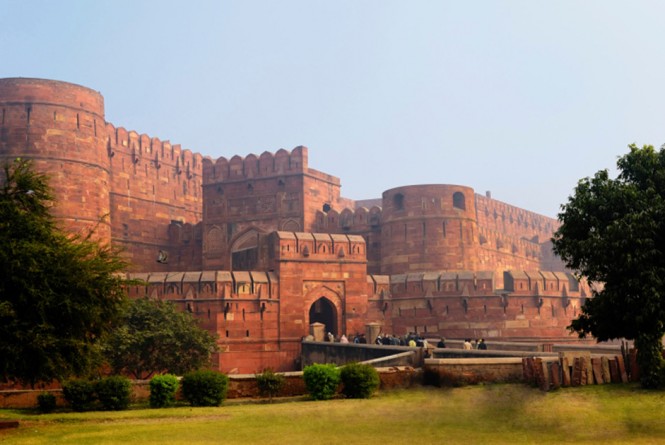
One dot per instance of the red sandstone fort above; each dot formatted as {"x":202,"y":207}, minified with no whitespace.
{"x":261,"y":247}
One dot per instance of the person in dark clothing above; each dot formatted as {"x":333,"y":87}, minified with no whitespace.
{"x":481,"y":344}
{"x":441,"y":343}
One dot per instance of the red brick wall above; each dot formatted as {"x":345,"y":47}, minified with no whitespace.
{"x":127,"y":186}
{"x":60,"y":126}
{"x":422,"y":230}
{"x":153,"y":184}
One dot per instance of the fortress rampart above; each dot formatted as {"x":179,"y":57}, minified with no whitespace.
{"x":126,"y":186}
{"x":60,"y":127}
{"x":154,"y":185}
{"x":260,"y":247}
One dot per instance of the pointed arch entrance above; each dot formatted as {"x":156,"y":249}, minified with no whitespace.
{"x":245,"y":250}
{"x":324,"y":311}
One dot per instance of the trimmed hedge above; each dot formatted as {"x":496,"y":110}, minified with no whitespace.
{"x":163,"y":389}
{"x":359,"y":380}
{"x":269,"y":383}
{"x":204,"y":388}
{"x":114,"y":392}
{"x":321,"y":381}
{"x":80,"y":394}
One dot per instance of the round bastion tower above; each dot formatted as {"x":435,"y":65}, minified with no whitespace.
{"x":61,"y":128}
{"x":427,"y":228}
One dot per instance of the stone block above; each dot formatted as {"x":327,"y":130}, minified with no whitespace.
{"x":587,"y":371}
{"x":555,"y":375}
{"x":615,"y":376}
{"x":577,"y":372}
{"x":605,"y":367}
{"x":622,"y":369}
{"x":565,"y":372}
{"x":596,"y":371}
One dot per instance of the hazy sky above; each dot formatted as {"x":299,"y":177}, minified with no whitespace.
{"x":522,"y":98}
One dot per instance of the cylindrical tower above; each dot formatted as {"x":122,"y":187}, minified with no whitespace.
{"x":429,"y":227}
{"x":60,"y":127}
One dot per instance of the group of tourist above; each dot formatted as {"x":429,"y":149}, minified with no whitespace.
{"x":474,"y":344}
{"x":411,"y":339}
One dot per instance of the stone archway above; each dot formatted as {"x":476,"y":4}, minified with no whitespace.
{"x":324,"y":311}
{"x":245,"y":250}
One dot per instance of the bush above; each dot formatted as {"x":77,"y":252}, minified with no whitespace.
{"x":162,"y":390}
{"x":204,"y":388}
{"x":114,"y":392}
{"x":321,"y":381}
{"x":269,"y":383}
{"x":46,"y":402}
{"x":80,"y":394}
{"x":359,"y":380}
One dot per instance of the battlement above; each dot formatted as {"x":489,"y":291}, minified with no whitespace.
{"x":500,"y":241}
{"x":319,"y":247}
{"x":479,"y":283}
{"x":505,"y":218}
{"x":206,"y":285}
{"x":251,"y":166}
{"x":153,"y":153}
{"x":360,"y":219}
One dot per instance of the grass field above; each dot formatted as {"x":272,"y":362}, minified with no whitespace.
{"x":486,"y":414}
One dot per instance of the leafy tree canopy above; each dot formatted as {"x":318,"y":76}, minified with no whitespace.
{"x":613,"y":234}
{"x":156,"y":337}
{"x":59,"y":293}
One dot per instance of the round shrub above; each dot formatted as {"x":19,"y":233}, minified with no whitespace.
{"x":46,"y":402}
{"x":163,"y":389}
{"x":269,"y":383}
{"x":80,"y":394}
{"x":321,"y":381}
{"x":204,"y":388}
{"x":114,"y":392}
{"x":359,"y":380}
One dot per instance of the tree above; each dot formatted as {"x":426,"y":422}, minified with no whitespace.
{"x":59,"y":293}
{"x":155,"y":336}
{"x":613,"y":234}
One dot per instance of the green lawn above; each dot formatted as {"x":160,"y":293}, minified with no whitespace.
{"x":509,"y":414}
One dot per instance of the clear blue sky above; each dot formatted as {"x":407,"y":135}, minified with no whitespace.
{"x":522,"y":98}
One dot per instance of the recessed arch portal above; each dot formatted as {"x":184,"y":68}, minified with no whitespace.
{"x":324,"y":311}
{"x":245,"y":250}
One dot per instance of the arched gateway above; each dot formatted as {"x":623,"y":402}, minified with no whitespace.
{"x":324,"y":311}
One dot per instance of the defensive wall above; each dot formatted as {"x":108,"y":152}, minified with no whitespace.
{"x":247,"y":197}
{"x":261,"y":317}
{"x":126,"y":186}
{"x":260,"y":247}
{"x":60,"y":127}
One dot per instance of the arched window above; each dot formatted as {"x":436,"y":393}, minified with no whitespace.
{"x":458,"y":201}
{"x":398,"y":201}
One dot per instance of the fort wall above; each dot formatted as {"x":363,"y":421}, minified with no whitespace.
{"x":156,"y":198}
{"x":245,"y":197}
{"x":125,"y":186}
{"x":428,"y":227}
{"x":261,"y":247}
{"x":60,"y":127}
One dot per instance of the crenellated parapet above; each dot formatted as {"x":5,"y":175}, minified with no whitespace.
{"x":316,"y":247}
{"x":513,"y":221}
{"x":357,"y":220}
{"x":201,"y":287}
{"x":140,"y":157}
{"x":470,"y":304}
{"x":251,"y":167}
